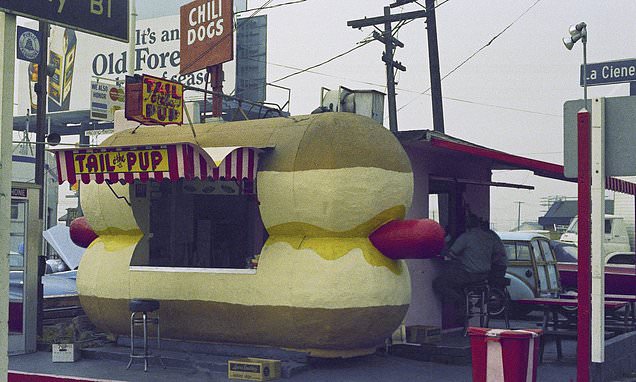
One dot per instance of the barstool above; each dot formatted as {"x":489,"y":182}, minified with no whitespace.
{"x":143,"y":307}
{"x":476,"y":297}
{"x":500,"y":297}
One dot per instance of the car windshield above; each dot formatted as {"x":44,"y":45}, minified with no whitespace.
{"x":574,"y":227}
{"x":565,"y":253}
{"x":621,"y":258}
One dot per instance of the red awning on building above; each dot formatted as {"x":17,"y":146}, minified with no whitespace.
{"x":155,"y":162}
{"x":504,"y":161}
{"x":541,"y":168}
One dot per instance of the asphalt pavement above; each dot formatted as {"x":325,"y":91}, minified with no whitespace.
{"x":373,"y":368}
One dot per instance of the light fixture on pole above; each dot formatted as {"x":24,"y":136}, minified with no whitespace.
{"x":579,"y":32}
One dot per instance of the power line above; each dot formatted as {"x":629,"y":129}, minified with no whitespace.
{"x":476,"y":52}
{"x":404,"y":90}
{"x":368,"y":40}
{"x":273,"y":6}
{"x":360,"y":45}
{"x":499,"y":107}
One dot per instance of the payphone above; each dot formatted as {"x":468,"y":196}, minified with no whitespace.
{"x":25,"y":247}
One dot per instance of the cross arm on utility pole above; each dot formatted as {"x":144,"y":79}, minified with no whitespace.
{"x":399,"y":3}
{"x":392,"y":40}
{"x":383,"y":19}
{"x":397,"y":65}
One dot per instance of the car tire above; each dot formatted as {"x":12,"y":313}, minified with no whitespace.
{"x":569,"y":311}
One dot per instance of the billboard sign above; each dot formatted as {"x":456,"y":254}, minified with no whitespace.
{"x":206,"y":34}
{"x":156,"y":53}
{"x":251,"y":58}
{"x":620,"y":136}
{"x":63,"y":46}
{"x":162,"y":100}
{"x":136,"y":161}
{"x":105,"y":100}
{"x":105,"y":18}
{"x":152,"y":100}
{"x":610,"y":72}
{"x":28,"y":44}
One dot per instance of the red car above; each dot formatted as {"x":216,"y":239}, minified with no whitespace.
{"x":620,"y":272}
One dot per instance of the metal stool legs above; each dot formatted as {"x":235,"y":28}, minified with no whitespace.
{"x":476,"y":296}
{"x":146,"y":354}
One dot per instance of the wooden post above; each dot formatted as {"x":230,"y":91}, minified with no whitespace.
{"x":216,"y":73}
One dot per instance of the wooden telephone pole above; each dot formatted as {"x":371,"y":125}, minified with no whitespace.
{"x":390,"y":43}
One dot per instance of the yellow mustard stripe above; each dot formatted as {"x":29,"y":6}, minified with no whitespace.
{"x":362,"y":230}
{"x":331,"y":248}
{"x":115,"y":239}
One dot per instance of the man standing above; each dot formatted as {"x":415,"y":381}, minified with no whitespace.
{"x":471,"y":256}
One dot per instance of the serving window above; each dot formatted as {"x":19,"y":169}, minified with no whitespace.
{"x":198,"y":224}
{"x":196,"y":206}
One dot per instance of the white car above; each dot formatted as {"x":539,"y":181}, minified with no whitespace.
{"x":532,"y":265}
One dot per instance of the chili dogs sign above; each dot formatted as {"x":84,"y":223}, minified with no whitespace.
{"x":133,"y":161}
{"x":206,"y":34}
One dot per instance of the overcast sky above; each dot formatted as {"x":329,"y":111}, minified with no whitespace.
{"x":509,"y":96}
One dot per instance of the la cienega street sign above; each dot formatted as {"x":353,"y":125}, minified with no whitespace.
{"x":106,"y":18}
{"x":610,"y":72}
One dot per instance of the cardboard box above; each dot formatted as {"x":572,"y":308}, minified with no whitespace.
{"x":423,"y":334}
{"x":253,"y":369}
{"x":65,"y":352}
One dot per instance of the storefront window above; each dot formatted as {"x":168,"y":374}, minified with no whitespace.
{"x":201,"y":224}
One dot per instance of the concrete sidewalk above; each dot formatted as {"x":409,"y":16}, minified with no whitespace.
{"x":378,"y":367}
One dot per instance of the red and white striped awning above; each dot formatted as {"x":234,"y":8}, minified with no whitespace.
{"x":156,"y":162}
{"x":620,"y":185}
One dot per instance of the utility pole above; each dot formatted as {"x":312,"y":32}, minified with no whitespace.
{"x":518,"y":214}
{"x":433,"y":65}
{"x":40,"y":136}
{"x":391,"y":43}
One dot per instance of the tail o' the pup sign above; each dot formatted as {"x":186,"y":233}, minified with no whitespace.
{"x":206,"y":34}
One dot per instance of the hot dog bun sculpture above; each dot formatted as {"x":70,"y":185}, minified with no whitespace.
{"x":331,"y":181}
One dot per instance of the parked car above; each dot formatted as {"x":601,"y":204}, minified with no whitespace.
{"x":565,"y":252}
{"x":532,"y":265}
{"x":621,"y":258}
{"x":615,"y":237}
{"x":620,"y":273}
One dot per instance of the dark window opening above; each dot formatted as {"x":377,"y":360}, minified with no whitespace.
{"x":203,"y":224}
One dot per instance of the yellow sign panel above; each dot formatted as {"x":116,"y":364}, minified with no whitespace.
{"x":162,"y":100}
{"x":121,"y":161}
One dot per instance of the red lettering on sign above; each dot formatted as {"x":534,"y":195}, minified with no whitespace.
{"x":155,"y":158}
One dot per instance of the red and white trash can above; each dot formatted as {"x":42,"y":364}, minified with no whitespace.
{"x":503,"y":355}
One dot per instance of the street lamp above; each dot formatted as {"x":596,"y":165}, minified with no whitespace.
{"x":579,"y":32}
{"x":584,"y":284}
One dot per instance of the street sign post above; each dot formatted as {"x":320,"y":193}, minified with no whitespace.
{"x":106,"y":18}
{"x":610,"y":72}
{"x":620,"y":136}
